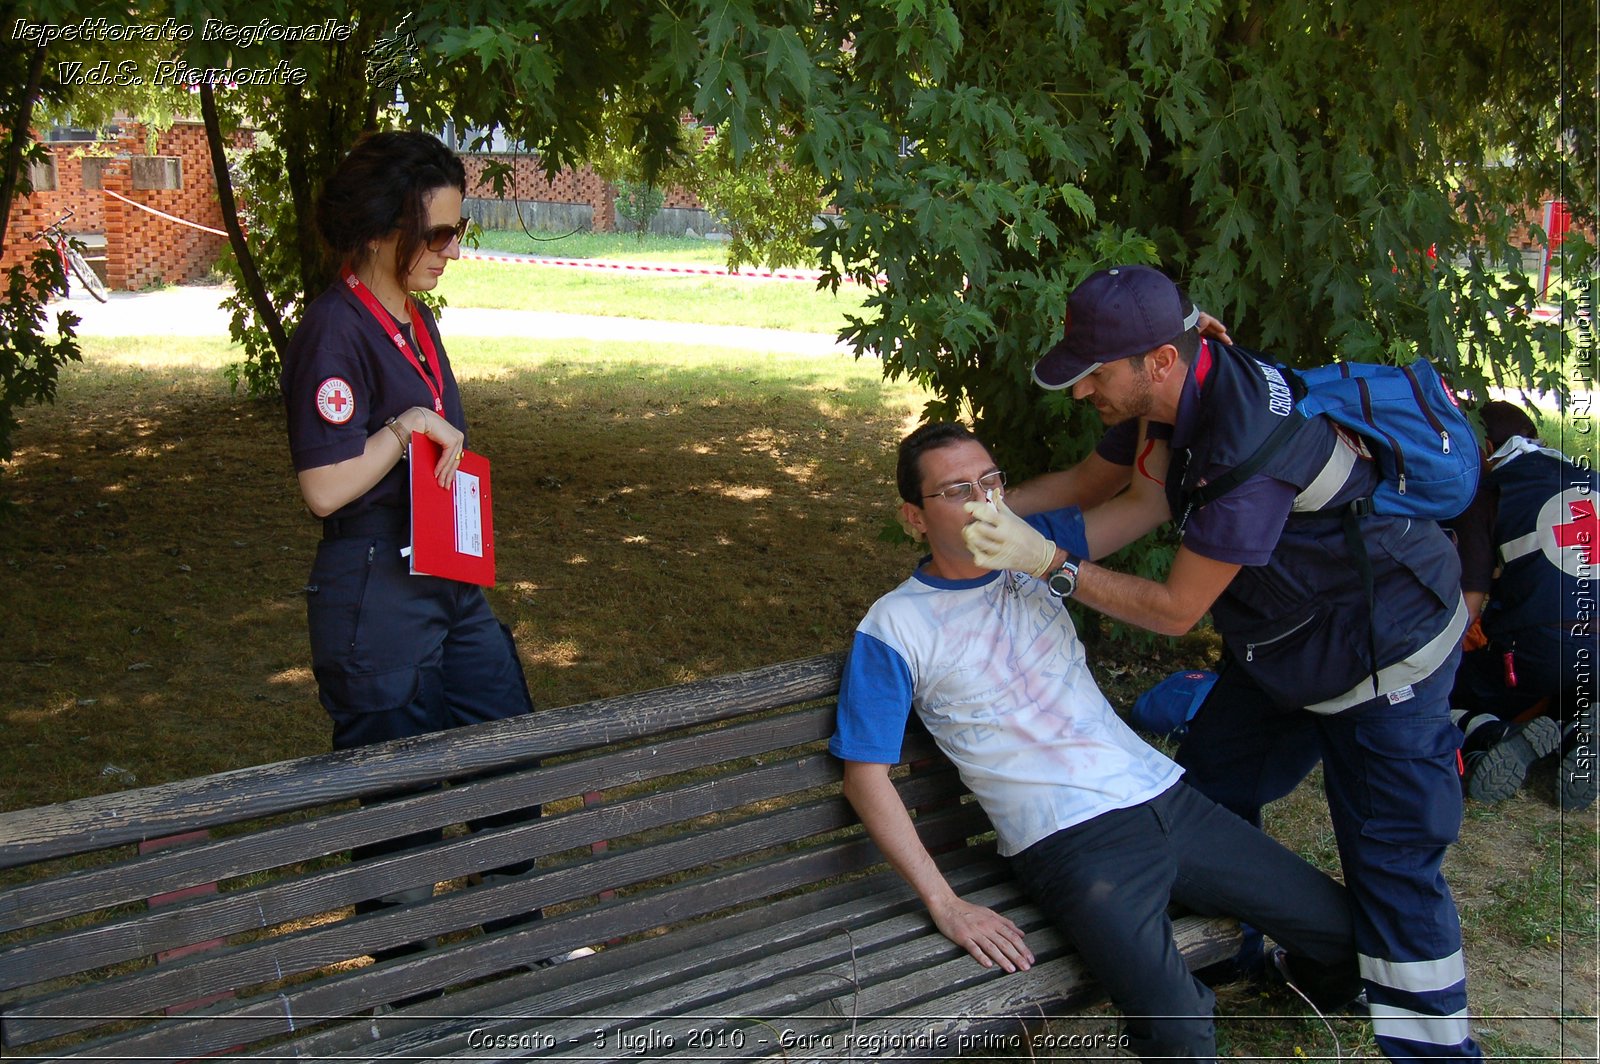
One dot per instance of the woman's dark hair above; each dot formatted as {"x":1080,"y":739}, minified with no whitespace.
{"x":908,"y":468}
{"x":382,"y":186}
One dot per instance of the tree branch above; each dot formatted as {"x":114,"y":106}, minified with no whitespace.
{"x":230,"y":219}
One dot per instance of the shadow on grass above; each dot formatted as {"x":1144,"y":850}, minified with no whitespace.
{"x":655,"y":522}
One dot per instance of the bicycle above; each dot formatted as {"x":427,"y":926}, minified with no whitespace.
{"x":54,"y":236}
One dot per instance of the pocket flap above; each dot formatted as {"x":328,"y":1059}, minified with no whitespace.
{"x":367,"y":692}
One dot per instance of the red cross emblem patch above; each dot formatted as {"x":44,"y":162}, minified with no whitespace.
{"x":336,"y":402}
{"x":1567,"y":533}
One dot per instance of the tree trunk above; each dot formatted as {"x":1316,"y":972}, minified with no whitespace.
{"x":21,"y":119}
{"x":265,"y":311}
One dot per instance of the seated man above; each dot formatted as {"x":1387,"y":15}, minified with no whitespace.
{"x":1095,"y":822}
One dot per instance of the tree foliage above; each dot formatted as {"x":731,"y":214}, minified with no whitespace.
{"x":301,"y":129}
{"x":1291,"y":165}
{"x":638,"y":202}
{"x":30,"y":361}
{"x":767,"y":200}
{"x":1335,"y":181}
{"x":569,"y":79}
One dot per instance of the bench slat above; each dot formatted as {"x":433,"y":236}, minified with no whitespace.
{"x":609,"y":979}
{"x":252,"y":1020}
{"x":84,"y":1006}
{"x":320,"y":892}
{"x":89,"y":824}
{"x":134,"y":880}
{"x":779,"y":984}
{"x":712,"y":850}
{"x":882,"y":909}
{"x":1060,"y":984}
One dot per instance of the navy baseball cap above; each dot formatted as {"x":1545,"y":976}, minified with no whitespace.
{"x":1114,"y":314}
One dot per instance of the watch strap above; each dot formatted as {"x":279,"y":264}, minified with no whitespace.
{"x":1063,"y":580}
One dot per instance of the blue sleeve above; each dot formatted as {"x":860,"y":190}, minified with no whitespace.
{"x":874,"y":704}
{"x":1064,"y":527}
{"x":327,"y":390}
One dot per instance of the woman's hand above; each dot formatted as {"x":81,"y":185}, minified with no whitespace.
{"x":1212,"y":329}
{"x":450,"y":439}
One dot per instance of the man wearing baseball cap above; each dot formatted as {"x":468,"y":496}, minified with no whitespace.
{"x":1286,"y":594}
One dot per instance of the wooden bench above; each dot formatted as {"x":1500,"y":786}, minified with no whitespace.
{"x":694,"y":835}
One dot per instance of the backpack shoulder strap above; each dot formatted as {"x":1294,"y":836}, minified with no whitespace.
{"x":1270,"y":446}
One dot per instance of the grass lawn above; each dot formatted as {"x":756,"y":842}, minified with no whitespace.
{"x":792,"y":305}
{"x":663,"y":514}
{"x":781,"y":304}
{"x":618,"y":247}
{"x":772,"y":304}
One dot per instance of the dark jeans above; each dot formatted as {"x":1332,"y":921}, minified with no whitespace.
{"x":1394,"y":797}
{"x":397,"y":655}
{"x":1106,"y":885}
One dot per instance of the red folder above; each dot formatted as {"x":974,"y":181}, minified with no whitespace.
{"x":452,"y":529}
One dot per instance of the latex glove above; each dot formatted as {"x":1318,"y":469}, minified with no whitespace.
{"x":999,"y":539}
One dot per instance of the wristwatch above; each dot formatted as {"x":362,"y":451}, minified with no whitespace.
{"x":1064,"y":581}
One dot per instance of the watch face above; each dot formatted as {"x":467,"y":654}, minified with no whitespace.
{"x":1063,"y":583}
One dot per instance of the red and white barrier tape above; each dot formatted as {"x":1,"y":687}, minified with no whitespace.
{"x":164,"y":214}
{"x":813,"y":276}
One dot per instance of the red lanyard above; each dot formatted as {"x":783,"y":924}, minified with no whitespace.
{"x":427,"y":367}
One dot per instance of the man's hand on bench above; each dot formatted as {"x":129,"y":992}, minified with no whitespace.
{"x":991,"y":938}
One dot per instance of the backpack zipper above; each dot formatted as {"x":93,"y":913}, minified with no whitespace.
{"x":1394,"y":444}
{"x":1427,"y":412}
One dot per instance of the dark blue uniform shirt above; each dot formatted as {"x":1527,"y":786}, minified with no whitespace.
{"x":343,"y":378}
{"x":1296,"y":616}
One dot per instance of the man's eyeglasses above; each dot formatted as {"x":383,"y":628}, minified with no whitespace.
{"x":971,"y":490}
{"x":438,"y":238}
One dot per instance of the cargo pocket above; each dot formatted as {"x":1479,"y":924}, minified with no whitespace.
{"x":371,"y":707}
{"x":1410,"y":792}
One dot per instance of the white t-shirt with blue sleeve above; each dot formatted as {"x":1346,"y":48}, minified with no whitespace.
{"x":994,"y":668}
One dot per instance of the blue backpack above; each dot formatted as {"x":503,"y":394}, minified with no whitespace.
{"x":1426,"y":452}
{"x":1168,"y":707}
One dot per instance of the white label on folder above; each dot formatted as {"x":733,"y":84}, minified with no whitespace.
{"x":469,"y":515}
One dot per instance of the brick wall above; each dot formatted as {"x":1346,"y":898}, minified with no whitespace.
{"x":144,"y":249}
{"x":141,"y":249}
{"x":29,"y":214}
{"x":582,"y":186}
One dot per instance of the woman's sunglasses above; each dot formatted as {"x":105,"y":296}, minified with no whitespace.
{"x":438,"y":238}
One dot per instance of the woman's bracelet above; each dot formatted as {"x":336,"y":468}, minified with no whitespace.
{"x":393,"y":425}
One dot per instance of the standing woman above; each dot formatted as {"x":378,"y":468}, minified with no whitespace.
{"x":394,"y":654}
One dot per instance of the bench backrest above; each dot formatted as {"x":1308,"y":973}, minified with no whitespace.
{"x":659,"y":809}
